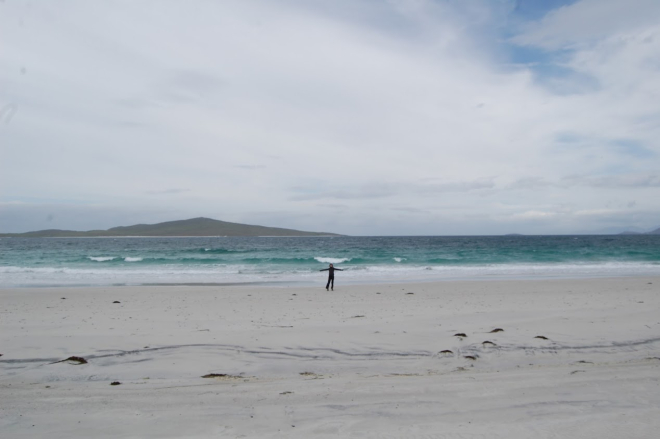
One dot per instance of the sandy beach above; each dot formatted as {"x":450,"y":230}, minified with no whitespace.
{"x":544,"y":359}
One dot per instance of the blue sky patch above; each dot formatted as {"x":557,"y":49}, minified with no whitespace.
{"x":632,"y":148}
{"x":537,"y":9}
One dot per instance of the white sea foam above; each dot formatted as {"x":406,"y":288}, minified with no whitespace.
{"x":399,"y":259}
{"x":130,"y":259}
{"x":102,"y":258}
{"x":331,"y":260}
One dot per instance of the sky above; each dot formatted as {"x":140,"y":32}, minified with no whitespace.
{"x":360,"y":117}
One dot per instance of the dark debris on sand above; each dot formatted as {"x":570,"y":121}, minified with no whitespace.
{"x":222,"y":376}
{"x":72,"y":360}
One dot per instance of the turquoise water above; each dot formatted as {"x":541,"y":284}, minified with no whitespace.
{"x":119,"y":261}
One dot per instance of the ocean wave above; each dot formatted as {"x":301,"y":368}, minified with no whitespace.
{"x":39,"y":270}
{"x":102,"y":258}
{"x":332,"y":260}
{"x":219,"y":251}
{"x":119,"y":270}
{"x":132,"y":259}
{"x":399,"y":259}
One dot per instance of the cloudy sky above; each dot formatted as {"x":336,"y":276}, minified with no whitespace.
{"x":364,"y":117}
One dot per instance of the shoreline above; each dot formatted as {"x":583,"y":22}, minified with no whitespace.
{"x":574,"y":358}
{"x":307,"y":283}
{"x":346,"y":286}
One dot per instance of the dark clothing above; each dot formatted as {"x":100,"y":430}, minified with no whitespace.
{"x":331,"y":270}
{"x":331,"y":276}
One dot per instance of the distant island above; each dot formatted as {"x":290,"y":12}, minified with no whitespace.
{"x":652,"y":232}
{"x":189,"y":227}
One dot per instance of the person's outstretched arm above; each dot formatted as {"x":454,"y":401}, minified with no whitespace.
{"x":325,"y":269}
{"x":339,"y":269}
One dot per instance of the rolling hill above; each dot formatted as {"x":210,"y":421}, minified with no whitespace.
{"x":189,"y":227}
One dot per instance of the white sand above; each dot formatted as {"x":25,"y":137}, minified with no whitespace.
{"x":345,"y":364}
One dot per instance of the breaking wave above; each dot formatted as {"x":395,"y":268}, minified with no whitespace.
{"x":332,"y":260}
{"x":101,"y":258}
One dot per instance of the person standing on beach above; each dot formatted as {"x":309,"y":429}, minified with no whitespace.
{"x":331,"y":277}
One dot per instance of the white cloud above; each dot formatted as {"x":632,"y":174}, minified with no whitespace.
{"x":268,"y":112}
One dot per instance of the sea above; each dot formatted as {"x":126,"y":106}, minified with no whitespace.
{"x":45,"y":262}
